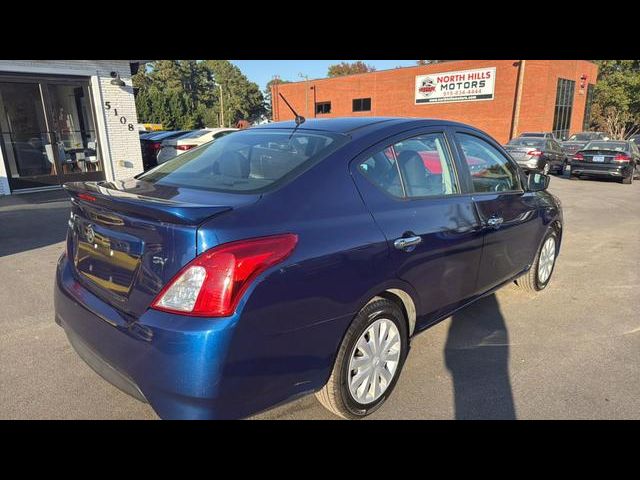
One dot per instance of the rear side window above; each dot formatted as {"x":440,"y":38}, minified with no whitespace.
{"x":490,"y":170}
{"x":413,"y":168}
{"x":248,"y":161}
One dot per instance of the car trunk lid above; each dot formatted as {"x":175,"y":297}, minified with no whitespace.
{"x":128,"y":239}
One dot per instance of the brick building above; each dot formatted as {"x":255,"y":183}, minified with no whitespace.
{"x":501,"y":97}
{"x":66,"y":120}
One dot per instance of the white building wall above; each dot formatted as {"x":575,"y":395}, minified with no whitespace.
{"x":120,"y":146}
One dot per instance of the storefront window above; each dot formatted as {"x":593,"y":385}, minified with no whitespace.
{"x":564,"y":107}
{"x":47,"y":132}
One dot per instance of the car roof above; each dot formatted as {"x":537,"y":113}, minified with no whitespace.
{"x":349,"y":125}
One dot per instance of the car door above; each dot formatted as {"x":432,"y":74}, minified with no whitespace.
{"x":508,"y":214}
{"x":411,"y":187}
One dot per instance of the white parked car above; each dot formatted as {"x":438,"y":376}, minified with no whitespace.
{"x":175,"y":146}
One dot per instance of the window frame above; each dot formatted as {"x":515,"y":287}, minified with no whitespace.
{"x":322,"y":104}
{"x":404,"y":136}
{"x":463,"y":168}
{"x":361,"y":100}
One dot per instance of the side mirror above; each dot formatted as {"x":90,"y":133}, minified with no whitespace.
{"x":537,"y":182}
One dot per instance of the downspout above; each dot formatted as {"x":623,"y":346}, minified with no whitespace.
{"x":518,"y":99}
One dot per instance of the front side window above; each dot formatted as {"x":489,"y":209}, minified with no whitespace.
{"x":413,"y":168}
{"x":490,"y":170}
{"x":247,"y":161}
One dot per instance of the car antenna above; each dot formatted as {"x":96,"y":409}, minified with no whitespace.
{"x":299,"y":118}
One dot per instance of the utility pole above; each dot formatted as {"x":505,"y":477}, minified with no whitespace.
{"x":221,"y":107}
{"x":516,"y":109}
{"x":306,"y":94}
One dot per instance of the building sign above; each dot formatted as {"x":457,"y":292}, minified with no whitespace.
{"x":462,"y":86}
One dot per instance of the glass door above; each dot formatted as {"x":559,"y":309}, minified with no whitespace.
{"x":47,"y":131}
{"x":24,"y":137}
{"x":74,"y":134}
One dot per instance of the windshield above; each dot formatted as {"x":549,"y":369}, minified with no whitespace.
{"x":615,"y":146}
{"x":249,"y":161}
{"x":583,"y":137}
{"x":526,"y":142}
{"x":195,"y":133}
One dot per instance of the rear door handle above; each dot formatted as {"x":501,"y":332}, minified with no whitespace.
{"x":407,"y":243}
{"x":495,"y":222}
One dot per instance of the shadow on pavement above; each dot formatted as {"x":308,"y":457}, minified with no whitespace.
{"x":31,"y":221}
{"x":477,"y":355}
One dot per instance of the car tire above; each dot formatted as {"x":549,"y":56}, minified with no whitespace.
{"x":336,"y":396}
{"x":533,"y":281}
{"x":628,"y":180}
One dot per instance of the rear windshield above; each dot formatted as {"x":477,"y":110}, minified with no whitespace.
{"x":527,"y":142}
{"x":583,"y":137}
{"x":533,"y":134}
{"x":249,"y":161}
{"x":195,"y":133}
{"x":615,"y":146}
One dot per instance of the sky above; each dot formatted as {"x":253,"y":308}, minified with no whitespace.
{"x":261,"y":71}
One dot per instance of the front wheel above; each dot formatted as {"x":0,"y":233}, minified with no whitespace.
{"x":539,"y":275}
{"x":368,"y":363}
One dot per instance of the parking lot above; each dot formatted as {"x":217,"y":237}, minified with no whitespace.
{"x":570,"y":352}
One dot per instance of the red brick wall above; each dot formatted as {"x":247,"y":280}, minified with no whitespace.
{"x":392,"y":94}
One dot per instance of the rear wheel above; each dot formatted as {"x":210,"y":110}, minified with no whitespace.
{"x":628,"y":180}
{"x":539,"y":275}
{"x":369,"y":361}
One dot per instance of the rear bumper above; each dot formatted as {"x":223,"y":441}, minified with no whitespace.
{"x":175,"y":363}
{"x":601,"y":170}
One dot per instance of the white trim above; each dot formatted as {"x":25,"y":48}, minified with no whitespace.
{"x":83,"y":71}
{"x":101,"y":124}
{"x":36,"y":189}
{"x":5,"y":189}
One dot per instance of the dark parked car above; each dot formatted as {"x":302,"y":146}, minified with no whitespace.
{"x":612,"y":159}
{"x":577,"y":141}
{"x":152,"y":143}
{"x":284,"y":260}
{"x":540,"y":154}
{"x":539,"y":135}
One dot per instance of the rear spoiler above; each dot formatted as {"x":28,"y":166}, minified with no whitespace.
{"x":139,"y":205}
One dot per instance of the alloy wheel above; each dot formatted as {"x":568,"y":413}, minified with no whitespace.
{"x":546,"y":260}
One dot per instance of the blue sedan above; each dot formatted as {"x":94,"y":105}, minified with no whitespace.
{"x":290,"y":259}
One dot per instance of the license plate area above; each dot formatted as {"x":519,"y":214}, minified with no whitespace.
{"x":598,"y":158}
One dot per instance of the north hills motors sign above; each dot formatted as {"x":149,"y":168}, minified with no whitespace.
{"x":462,"y":86}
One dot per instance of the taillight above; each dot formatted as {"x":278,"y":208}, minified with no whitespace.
{"x":534,"y":153}
{"x":212,"y":284}
{"x":185,"y":147}
{"x":86,"y":197}
{"x":621,"y":157}
{"x":578,"y":156}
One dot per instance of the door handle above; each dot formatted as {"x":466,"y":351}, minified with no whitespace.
{"x":495,"y":222}
{"x":407,"y":243}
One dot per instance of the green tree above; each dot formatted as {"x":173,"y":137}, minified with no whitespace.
{"x":616,"y":100}
{"x":346,"y":68}
{"x":268,"y":103}
{"x":243,"y":99}
{"x":184,"y":94}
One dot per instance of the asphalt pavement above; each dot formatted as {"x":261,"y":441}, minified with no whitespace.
{"x":571,"y":352}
